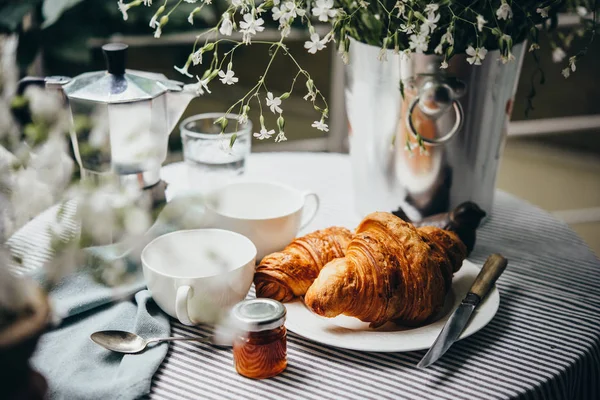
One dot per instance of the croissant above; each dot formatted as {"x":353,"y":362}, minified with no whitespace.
{"x":392,"y":271}
{"x":289,"y":273}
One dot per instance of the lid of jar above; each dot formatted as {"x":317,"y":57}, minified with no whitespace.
{"x":259,"y":314}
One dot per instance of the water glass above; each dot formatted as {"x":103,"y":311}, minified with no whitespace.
{"x":211,"y":161}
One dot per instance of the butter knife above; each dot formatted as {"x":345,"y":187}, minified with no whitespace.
{"x":492,"y":269}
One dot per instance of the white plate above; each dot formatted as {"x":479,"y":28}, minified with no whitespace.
{"x":351,"y":333}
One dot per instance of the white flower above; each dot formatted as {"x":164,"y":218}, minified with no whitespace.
{"x":183,"y":70}
{"x":274,"y":103}
{"x":438,"y":49}
{"x":239,"y":3}
{"x":123,"y":8}
{"x":197,"y":57}
{"x":558,"y":55}
{"x":320,"y":125}
{"x":477,"y":55}
{"x":191,"y":1}
{"x":280,"y":137}
{"x":250,"y":26}
{"x":157,"y":32}
{"x":534,"y":46}
{"x":504,"y":11}
{"x":566,"y":72}
{"x":286,"y":30}
{"x":148,"y":3}
{"x":480,"y":22}
{"x":323,"y":10}
{"x":315,"y":44}
{"x":418,"y":43}
{"x":508,"y":58}
{"x":382,"y":56}
{"x":431,"y":8}
{"x":228,"y":78}
{"x":190,"y":18}
{"x":582,"y":11}
{"x":407,"y":28}
{"x":430,"y":23}
{"x":278,"y":12}
{"x":154,"y":21}
{"x":202,"y":86}
{"x":226,"y":26}
{"x":264,"y":134}
{"x":242,"y":119}
{"x":543,"y":11}
{"x":401,"y":8}
{"x":572,"y":61}
{"x":444,"y":65}
{"x":293,"y":11}
{"x":447,"y":38}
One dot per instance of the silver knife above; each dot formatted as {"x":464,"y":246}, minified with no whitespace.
{"x":492,"y":269}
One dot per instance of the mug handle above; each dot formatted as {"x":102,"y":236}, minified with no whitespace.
{"x":181,"y":304}
{"x":309,"y":218}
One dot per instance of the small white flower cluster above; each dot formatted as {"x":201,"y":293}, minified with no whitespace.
{"x":413,"y":26}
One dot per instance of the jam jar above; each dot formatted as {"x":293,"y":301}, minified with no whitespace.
{"x":260,"y":348}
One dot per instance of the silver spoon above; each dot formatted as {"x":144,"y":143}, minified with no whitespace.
{"x":127,"y":342}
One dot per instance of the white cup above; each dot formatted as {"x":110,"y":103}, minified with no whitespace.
{"x":269,"y":214}
{"x":197,"y":275}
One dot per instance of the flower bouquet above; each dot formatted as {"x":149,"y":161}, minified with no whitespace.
{"x":445,"y":28}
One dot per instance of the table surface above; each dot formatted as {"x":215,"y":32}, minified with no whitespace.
{"x":544,"y":341}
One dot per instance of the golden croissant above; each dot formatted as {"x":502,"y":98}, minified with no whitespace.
{"x":392,"y":271}
{"x":289,"y":273}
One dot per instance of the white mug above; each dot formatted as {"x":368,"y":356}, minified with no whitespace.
{"x":197,"y":275}
{"x":269,"y":214}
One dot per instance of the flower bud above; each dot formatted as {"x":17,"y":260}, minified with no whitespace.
{"x":232,"y":140}
{"x":213,"y":75}
{"x":284,"y":96}
{"x":163,"y":20}
{"x":280,"y":123}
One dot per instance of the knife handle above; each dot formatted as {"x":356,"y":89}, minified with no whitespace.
{"x":491,"y":271}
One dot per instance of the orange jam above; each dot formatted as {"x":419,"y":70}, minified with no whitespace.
{"x":260,"y":351}
{"x":261,"y":354}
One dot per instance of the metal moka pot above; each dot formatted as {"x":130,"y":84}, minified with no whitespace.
{"x":120,"y":119}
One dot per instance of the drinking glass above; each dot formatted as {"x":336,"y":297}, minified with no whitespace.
{"x":211,"y":161}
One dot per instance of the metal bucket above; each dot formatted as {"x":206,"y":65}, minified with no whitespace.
{"x":462,"y":114}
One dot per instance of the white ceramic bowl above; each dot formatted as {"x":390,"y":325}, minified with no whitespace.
{"x":198,"y":275}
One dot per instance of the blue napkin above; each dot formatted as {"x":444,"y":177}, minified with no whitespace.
{"x":77,"y":368}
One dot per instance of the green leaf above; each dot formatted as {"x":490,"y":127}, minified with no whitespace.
{"x":53,"y":9}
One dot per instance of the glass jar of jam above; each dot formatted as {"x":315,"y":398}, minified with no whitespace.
{"x":260,"y":349}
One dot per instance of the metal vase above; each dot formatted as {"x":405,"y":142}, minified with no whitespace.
{"x":461,"y":113}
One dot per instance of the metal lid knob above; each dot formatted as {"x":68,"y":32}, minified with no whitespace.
{"x":115,"y":56}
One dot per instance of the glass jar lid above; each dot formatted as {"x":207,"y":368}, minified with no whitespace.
{"x":257,"y":315}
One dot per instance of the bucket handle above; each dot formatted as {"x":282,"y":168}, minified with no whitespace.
{"x":436,"y":142}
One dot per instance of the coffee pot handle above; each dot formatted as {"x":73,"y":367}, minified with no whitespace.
{"x":181,"y":304}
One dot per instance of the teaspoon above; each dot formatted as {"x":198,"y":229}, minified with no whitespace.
{"x":127,"y":342}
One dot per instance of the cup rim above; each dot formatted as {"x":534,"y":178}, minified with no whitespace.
{"x":146,"y":264}
{"x":243,"y":129}
{"x":254,"y":182}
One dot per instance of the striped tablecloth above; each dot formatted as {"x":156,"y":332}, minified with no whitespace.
{"x":544,"y":342}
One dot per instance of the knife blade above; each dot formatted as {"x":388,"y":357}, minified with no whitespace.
{"x":492,"y":269}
